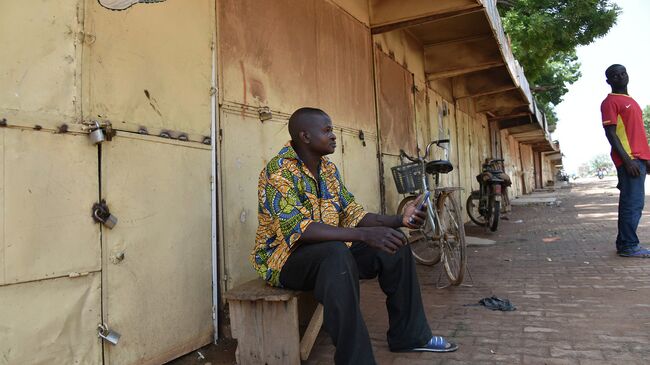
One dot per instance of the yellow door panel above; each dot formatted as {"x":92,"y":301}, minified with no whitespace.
{"x":392,"y":196}
{"x":246,"y":148}
{"x":50,"y":184}
{"x":2,"y":206}
{"x":361,"y":169}
{"x":298,"y":53}
{"x":40,"y":42}
{"x":157,"y":289}
{"x":51,"y":321}
{"x":151,"y":66}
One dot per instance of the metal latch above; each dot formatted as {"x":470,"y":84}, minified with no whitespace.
{"x":102,"y":215}
{"x":265,"y":113}
{"x":108,"y":334}
{"x":99,"y":131}
{"x":362,"y":137}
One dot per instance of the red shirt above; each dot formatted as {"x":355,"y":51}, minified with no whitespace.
{"x":623,"y":112}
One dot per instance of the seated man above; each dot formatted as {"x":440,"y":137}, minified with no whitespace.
{"x":312,"y":235}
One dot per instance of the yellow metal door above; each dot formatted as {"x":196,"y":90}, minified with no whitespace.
{"x":157,"y":284}
{"x":49,"y":249}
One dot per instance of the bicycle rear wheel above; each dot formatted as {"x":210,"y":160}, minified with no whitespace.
{"x":452,"y":238}
{"x":425,"y":250}
{"x":472,"y":204}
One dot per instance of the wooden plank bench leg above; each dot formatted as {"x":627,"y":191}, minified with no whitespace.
{"x":308,"y":339}
{"x":266,"y":331}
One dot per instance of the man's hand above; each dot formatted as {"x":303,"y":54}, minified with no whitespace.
{"x":631,"y":168}
{"x":383,"y":238}
{"x":413,"y":218}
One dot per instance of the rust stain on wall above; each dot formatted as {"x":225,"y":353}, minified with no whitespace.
{"x":307,"y":53}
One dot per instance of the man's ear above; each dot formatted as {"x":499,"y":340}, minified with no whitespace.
{"x":305,"y":137}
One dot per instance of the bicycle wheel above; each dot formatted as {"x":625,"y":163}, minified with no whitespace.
{"x":494,"y":210}
{"x":471,"y":205}
{"x":505,"y":200}
{"x":425,"y":249}
{"x":452,"y":238}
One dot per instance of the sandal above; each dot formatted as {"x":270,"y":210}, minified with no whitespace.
{"x":640,"y":253}
{"x":436,"y":344}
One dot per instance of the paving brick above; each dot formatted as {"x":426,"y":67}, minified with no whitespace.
{"x":586,"y":306}
{"x":536,"y":360}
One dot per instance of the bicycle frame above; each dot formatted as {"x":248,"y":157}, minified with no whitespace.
{"x":442,"y":237}
{"x":432,"y":212}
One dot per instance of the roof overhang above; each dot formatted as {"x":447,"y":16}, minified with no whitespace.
{"x":464,"y":41}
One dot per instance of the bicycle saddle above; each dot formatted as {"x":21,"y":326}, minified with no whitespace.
{"x":439,"y":167}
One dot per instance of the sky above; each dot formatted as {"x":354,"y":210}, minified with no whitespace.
{"x":579,"y":128}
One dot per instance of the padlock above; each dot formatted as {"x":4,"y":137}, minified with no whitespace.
{"x":97,"y":135}
{"x":107,"y":334}
{"x":107,"y":220}
{"x":102,"y":215}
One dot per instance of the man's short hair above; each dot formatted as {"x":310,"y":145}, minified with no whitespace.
{"x":611,"y":68}
{"x":300,"y":118}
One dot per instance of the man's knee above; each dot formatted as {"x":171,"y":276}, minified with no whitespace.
{"x":338,"y":253}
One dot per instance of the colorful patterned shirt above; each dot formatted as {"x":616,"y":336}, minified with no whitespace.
{"x":290,"y":199}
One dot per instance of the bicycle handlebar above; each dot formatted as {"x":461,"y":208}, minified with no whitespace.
{"x":437,"y":142}
{"x":403,"y":154}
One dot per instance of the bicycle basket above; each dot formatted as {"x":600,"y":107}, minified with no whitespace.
{"x":408,"y":177}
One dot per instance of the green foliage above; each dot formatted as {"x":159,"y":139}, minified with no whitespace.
{"x":545,"y":34}
{"x":646,"y":121}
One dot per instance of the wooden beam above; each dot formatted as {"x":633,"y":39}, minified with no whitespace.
{"x":498,"y":90}
{"x":509,"y":116}
{"x":523,"y":128}
{"x":479,"y":37}
{"x":502,"y":102}
{"x":462,"y":70}
{"x":514,"y":122}
{"x":423,"y":20}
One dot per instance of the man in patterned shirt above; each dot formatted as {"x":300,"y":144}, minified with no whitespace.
{"x":313,"y":235}
{"x":623,"y":123}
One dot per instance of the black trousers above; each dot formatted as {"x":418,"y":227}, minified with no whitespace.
{"x":332,"y":271}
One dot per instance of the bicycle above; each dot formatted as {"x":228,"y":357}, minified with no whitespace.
{"x":442,"y":237}
{"x":484,"y":205}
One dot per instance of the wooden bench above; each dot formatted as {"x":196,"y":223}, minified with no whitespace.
{"x":266,"y":322}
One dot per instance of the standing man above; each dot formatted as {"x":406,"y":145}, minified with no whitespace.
{"x":623,"y":123}
{"x":313,"y":235}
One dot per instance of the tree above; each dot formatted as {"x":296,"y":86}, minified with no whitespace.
{"x":544,"y":36}
{"x":601,"y":162}
{"x":646,"y":121}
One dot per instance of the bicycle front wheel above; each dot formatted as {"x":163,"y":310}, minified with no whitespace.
{"x":452,"y":238}
{"x":425,"y":250}
{"x":494,"y":209}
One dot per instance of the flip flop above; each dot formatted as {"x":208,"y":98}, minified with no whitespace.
{"x":640,"y":253}
{"x":436,"y":344}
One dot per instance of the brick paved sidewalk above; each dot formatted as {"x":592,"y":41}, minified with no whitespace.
{"x":577,"y":302}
